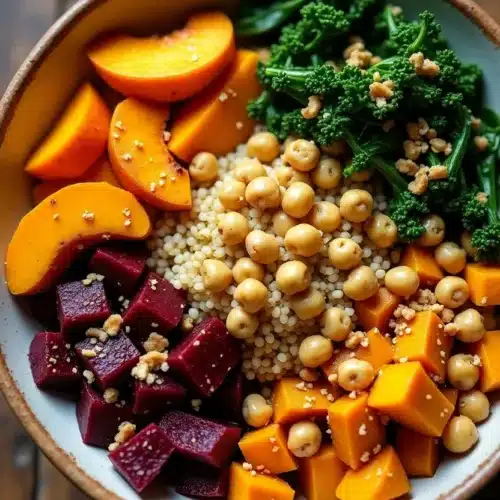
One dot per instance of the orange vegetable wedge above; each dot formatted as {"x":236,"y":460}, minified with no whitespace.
{"x":406,"y":394}
{"x":101,"y":171}
{"x":78,"y":216}
{"x":140,"y":158}
{"x":243,"y":485}
{"x":77,"y":140}
{"x":382,"y":479}
{"x":170,"y":68}
{"x":321,"y":474}
{"x":423,"y":263}
{"x":419,"y":454}
{"x":488,"y":349}
{"x":484,"y":284}
{"x":451,"y":395}
{"x":376,"y":311}
{"x":217,"y":119}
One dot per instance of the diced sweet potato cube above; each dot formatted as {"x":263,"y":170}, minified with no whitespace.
{"x":419,"y":454}
{"x":321,"y":474}
{"x":357,"y":431}
{"x":268,"y":447}
{"x":295,"y":400}
{"x":422,"y":262}
{"x":427,"y":343}
{"x":488,"y":349}
{"x":376,"y":311}
{"x":451,"y":395}
{"x":484,"y":284}
{"x":382,"y":479}
{"x":243,"y":485}
{"x":407,"y":394}
{"x":378,"y":352}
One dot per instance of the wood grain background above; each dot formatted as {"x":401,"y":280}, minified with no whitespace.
{"x":25,"y":474}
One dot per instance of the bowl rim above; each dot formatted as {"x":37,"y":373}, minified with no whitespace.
{"x":64,"y":461}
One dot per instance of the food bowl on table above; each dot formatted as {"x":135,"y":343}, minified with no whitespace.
{"x":35,"y":98}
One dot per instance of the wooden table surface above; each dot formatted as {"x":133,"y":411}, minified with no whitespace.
{"x":25,"y":474}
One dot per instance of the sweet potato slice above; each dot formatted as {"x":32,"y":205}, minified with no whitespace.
{"x":217,"y":119}
{"x":50,"y":236}
{"x":101,"y":171}
{"x":484,"y":284}
{"x":170,"y":68}
{"x":140,"y":158}
{"x":423,"y":263}
{"x":77,"y":140}
{"x":488,"y":349}
{"x":376,"y":311}
{"x":419,"y":454}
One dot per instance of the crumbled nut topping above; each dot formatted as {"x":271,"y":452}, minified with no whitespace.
{"x":97,"y":333}
{"x":111,"y":395}
{"x":424,"y":67}
{"x":113,"y":325}
{"x":89,"y":376}
{"x":155,"y":342}
{"x":314,"y":105}
{"x":126,"y":431}
{"x":481,"y":143}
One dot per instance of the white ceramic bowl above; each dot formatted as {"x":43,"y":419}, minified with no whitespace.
{"x":34,"y":99}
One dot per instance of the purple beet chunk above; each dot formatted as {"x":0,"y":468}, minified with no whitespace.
{"x":201,"y":481}
{"x":141,"y":459}
{"x":80,"y":307}
{"x":157,"y":307}
{"x":122,"y":268}
{"x":158,"y":397}
{"x":227,"y":401}
{"x":98,"y":420}
{"x":201,"y":439}
{"x":114,"y":359}
{"x":205,"y":356}
{"x":53,"y":364}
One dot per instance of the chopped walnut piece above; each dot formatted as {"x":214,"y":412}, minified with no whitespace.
{"x":97,"y":333}
{"x":113,"y":325}
{"x":357,"y":55}
{"x":413,"y":130}
{"x":447,"y":315}
{"x":313,"y":107}
{"x":451,"y":329}
{"x":438,"y":172}
{"x":126,"y":431}
{"x":421,"y":183}
{"x":381,"y":90}
{"x":155,"y":342}
{"x":111,"y":395}
{"x":355,"y":46}
{"x":424,"y":67}
{"x":481,"y":143}
{"x":90,"y":377}
{"x":438,"y":145}
{"x":354,"y":339}
{"x":423,"y":127}
{"x":413,"y":149}
{"x":407,"y":167}
{"x":154,"y":359}
{"x":476,"y":123}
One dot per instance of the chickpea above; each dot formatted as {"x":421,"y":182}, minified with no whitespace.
{"x":249,"y":169}
{"x":361,"y":284}
{"x":263,"y":193}
{"x":344,"y":253}
{"x":315,"y":350}
{"x":216,"y":275}
{"x":434,"y":231}
{"x":298,"y":200}
{"x":336,"y":324}
{"x":362,"y":175}
{"x":475,"y":405}
{"x":282,"y":222}
{"x":325,"y":216}
{"x":308,"y":304}
{"x":356,"y":205}
{"x":286,"y":176}
{"x":402,"y":281}
{"x":470,"y":326}
{"x":233,"y":228}
{"x":460,"y":434}
{"x":246,"y":268}
{"x":463,"y":374}
{"x":240,"y":324}
{"x":264,"y":146}
{"x":355,"y":374}
{"x":304,"y":439}
{"x":452,"y":292}
{"x":466,"y":242}
{"x":293,"y":277}
{"x":451,"y":257}
{"x":262,"y":247}
{"x":204,"y":168}
{"x":328,"y":174}
{"x":302,"y":155}
{"x":232,"y":195}
{"x":382,"y":230}
{"x":304,"y":240}
{"x":252,"y":295}
{"x":256,"y":411}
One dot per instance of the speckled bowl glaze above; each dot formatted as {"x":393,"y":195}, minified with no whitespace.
{"x":33,"y":100}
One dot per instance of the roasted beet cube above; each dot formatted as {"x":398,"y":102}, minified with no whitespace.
{"x":111,"y":361}
{"x":141,"y":459}
{"x":98,"y":420}
{"x":202,"y":481}
{"x":205,"y":356}
{"x":80,"y":307}
{"x":227,"y":401}
{"x":122,"y":268}
{"x":53,"y":363}
{"x":209,"y":441}
{"x":157,"y":307}
{"x":158,"y":397}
